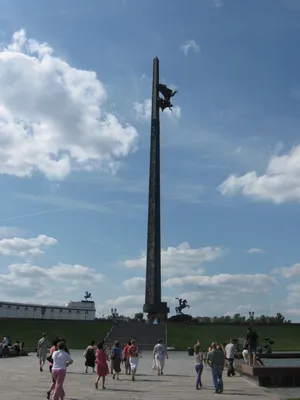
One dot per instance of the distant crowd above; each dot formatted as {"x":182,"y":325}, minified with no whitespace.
{"x":103,"y":359}
{"x":7,"y":348}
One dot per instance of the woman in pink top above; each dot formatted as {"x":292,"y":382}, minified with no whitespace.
{"x":102,"y":367}
{"x":52,"y":350}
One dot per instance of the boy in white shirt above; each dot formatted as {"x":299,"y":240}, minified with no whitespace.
{"x":229,"y":354}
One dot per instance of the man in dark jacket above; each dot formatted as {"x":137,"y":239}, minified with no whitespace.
{"x":252,"y":340}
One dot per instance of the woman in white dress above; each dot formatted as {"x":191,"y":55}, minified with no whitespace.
{"x":134,"y":355}
{"x":159,"y":355}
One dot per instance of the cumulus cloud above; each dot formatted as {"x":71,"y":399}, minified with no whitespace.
{"x":260,"y":283}
{"x":288,"y":272}
{"x":22,"y":247}
{"x":279,"y":184}
{"x":255,"y":250}
{"x":143,"y":111}
{"x":10,"y":231}
{"x":292,"y":302}
{"x":52,"y":117}
{"x":126,"y":301}
{"x":190,"y":46}
{"x":135,"y":284}
{"x":206,"y":295}
{"x":181,"y":260}
{"x":221,"y":294}
{"x":32,"y":283}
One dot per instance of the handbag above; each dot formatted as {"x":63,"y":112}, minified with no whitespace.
{"x":50,"y":359}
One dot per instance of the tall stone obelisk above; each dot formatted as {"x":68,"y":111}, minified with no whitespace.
{"x":154,"y":307}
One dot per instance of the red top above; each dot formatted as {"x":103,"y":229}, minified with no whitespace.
{"x":125,"y":350}
{"x":52,"y":350}
{"x":133,"y":350}
{"x":101,"y":357}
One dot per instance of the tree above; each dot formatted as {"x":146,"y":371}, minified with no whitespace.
{"x":139,"y":317}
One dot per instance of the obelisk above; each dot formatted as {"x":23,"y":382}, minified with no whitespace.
{"x":154,"y":307}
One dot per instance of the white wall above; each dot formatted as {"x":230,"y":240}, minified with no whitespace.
{"x":14,"y":310}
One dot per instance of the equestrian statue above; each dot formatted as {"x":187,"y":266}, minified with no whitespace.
{"x":182,"y":305}
{"x":87,"y":296}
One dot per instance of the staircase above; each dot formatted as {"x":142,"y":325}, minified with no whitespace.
{"x":147,"y":335}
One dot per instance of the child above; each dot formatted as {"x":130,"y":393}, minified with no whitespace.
{"x":102,"y":367}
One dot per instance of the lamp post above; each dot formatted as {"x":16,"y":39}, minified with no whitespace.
{"x":114,"y":312}
{"x":115,"y":315}
{"x":251,"y":315}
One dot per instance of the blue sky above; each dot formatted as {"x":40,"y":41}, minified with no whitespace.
{"x":74,"y":155}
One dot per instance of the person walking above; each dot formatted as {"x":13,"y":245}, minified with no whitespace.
{"x":61,"y":360}
{"x":215,"y":359}
{"x":116,"y":359}
{"x":198,"y":365}
{"x":159,"y":356}
{"x":134,"y":355}
{"x":253,"y":342}
{"x":126,"y":358}
{"x":50,"y":359}
{"x":229,"y":353}
{"x":245,"y":352}
{"x":90,"y":357}
{"x":101,"y":363}
{"x":42,"y":348}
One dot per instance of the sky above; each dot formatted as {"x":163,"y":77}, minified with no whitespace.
{"x":75,"y":81}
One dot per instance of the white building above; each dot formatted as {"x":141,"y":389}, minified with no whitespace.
{"x":74,"y":310}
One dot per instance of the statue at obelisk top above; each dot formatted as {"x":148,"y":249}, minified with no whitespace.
{"x":154,"y":307}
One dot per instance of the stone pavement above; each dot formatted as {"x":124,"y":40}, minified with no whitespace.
{"x":20,"y":379}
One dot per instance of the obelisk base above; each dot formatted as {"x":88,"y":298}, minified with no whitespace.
{"x":159,"y":311}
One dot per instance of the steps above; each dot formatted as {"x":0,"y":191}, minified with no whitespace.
{"x":147,"y":335}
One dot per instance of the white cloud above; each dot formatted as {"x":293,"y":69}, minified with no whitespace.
{"x":181,"y":260}
{"x":31,"y":283}
{"x":255,"y":250}
{"x":10,"y":231}
{"x":143,"y":111}
{"x":25,"y":247}
{"x":247,"y":307}
{"x":292,"y":301}
{"x":125,"y":301}
{"x":219,"y":294}
{"x":279,"y":184}
{"x":215,"y":295}
{"x":52,"y":118}
{"x":260,"y":283}
{"x":288,"y":272}
{"x":292,"y":312}
{"x":135,"y":284}
{"x":188,"y":46}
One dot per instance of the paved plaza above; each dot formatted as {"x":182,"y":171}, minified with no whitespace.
{"x":21,"y":380}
